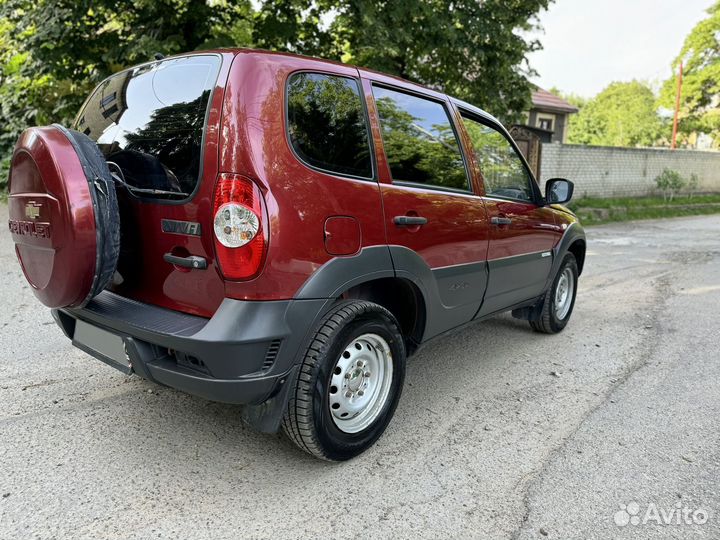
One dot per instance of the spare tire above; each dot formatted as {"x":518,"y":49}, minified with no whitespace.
{"x":64,"y":216}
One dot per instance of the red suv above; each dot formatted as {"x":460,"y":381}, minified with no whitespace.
{"x":282,"y":232}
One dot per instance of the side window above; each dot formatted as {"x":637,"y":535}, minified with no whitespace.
{"x":502,"y":169}
{"x":419,"y":140}
{"x":327,"y":125}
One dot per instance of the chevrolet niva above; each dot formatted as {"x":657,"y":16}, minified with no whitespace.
{"x":282,"y":232}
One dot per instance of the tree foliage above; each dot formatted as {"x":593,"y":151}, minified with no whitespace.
{"x":700,"y":103}
{"x":475,"y":50}
{"x":53,"y":52}
{"x":624,"y":114}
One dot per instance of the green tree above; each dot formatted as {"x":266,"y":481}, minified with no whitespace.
{"x":474,"y":50}
{"x":573,"y":99}
{"x":624,"y":114}
{"x":53,"y":52}
{"x":700,"y":104}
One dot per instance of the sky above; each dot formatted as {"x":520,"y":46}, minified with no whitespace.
{"x":590,"y":43}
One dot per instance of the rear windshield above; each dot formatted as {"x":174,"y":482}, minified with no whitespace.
{"x":150,"y":121}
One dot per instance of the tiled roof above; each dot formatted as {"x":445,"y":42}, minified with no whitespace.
{"x":542,"y":99}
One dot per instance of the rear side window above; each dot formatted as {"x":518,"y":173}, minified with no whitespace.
{"x":326,"y":123}
{"x":419,"y":140}
{"x":150,"y":121}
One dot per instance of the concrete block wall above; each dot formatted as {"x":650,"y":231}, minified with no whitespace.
{"x":599,"y":171}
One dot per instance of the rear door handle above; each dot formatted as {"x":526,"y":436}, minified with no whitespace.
{"x":409,"y":221}
{"x":191,"y":261}
{"x":500,"y":220}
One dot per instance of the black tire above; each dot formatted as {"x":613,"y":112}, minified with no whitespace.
{"x":105,"y":205}
{"x":308,"y":421}
{"x":548,"y":322}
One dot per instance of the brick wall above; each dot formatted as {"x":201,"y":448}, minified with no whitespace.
{"x":599,"y":171}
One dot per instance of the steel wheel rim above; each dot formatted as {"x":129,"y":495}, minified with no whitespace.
{"x":360,"y":383}
{"x":564,"y":293}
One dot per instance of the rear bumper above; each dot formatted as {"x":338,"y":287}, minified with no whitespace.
{"x":244,"y":354}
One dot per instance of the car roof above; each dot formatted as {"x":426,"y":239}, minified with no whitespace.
{"x":475,"y":110}
{"x":262,"y":52}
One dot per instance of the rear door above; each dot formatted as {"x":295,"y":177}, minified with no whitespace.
{"x":436,"y":225}
{"x":157,"y":126}
{"x":523,"y":231}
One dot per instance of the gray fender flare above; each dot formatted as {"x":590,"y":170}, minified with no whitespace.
{"x":376,"y":262}
{"x":572,"y":234}
{"x":341,"y":273}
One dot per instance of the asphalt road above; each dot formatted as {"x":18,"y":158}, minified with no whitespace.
{"x":500,"y":433}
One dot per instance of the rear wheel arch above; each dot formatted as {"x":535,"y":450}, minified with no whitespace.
{"x":402,"y":298}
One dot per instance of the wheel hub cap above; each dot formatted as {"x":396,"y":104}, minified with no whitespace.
{"x":564,"y":292}
{"x":360,"y":383}
{"x":356,"y":380}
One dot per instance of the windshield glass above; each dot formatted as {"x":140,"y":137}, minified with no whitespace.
{"x":150,"y":121}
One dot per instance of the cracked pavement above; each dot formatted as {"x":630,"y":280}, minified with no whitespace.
{"x":500,"y":433}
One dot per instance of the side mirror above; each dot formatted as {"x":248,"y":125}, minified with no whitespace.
{"x":558,"y":191}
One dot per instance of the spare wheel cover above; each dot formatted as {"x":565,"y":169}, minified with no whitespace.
{"x":64,"y":215}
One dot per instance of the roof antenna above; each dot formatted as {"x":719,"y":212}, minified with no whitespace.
{"x":158,"y":56}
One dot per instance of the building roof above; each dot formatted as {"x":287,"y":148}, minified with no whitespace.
{"x":542,"y":99}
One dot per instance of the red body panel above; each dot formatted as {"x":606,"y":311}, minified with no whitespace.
{"x":456,"y":231}
{"x":532,"y":229}
{"x":457,"y":228}
{"x":298,"y":198}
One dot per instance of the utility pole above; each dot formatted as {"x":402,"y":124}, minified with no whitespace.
{"x":677,"y":107}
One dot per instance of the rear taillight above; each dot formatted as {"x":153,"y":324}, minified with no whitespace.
{"x":240,"y":227}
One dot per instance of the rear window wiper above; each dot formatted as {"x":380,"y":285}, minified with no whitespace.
{"x":120,"y":178}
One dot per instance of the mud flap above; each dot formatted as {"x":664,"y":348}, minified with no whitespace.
{"x":530,"y":313}
{"x":267,"y":416}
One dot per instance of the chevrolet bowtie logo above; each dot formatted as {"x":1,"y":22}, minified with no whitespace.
{"x":32,"y":210}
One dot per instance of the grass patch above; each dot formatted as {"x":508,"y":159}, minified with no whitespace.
{"x":593,"y":211}
{"x":634,"y":202}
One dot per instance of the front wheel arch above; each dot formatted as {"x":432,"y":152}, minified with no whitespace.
{"x":578,"y":248}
